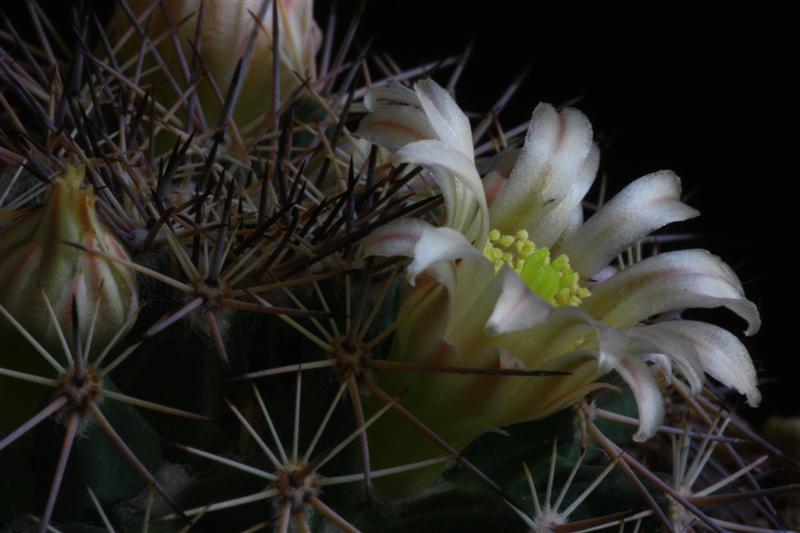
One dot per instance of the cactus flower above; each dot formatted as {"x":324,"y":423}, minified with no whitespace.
{"x":516,"y":279}
{"x":224,"y":33}
{"x":35,"y":262}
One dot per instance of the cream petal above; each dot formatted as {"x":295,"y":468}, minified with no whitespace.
{"x":656,"y":339}
{"x":644,"y":385}
{"x":442,"y":244}
{"x":398,"y":238}
{"x":604,"y":275}
{"x":670,"y":282}
{"x":640,"y":208}
{"x":435,"y":153}
{"x":466,"y":326}
{"x":301,"y":34}
{"x":517,"y":308}
{"x":446,"y":118}
{"x":497,"y":171}
{"x":393,"y":93}
{"x":395,"y":126}
{"x":661,"y":361}
{"x":549,"y":229}
{"x":574,"y":223}
{"x":427,"y":128}
{"x":402,"y":237}
{"x":443,"y":273}
{"x":434,"y":250}
{"x":721,"y":354}
{"x":459,"y":179}
{"x":609,"y":341}
{"x":555,"y":153}
{"x":493,"y":182}
{"x":566,"y":330}
{"x":504,"y":162}
{"x":472,"y":275}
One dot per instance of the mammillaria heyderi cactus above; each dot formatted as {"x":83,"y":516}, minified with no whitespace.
{"x":234,"y":303}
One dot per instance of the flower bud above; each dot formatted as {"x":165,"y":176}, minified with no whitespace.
{"x":35,"y":261}
{"x":224,"y":33}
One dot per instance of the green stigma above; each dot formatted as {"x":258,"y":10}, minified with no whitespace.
{"x":552,"y":279}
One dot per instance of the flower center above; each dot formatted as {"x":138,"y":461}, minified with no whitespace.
{"x":552,"y":279}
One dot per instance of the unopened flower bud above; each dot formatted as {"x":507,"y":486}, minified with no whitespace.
{"x":223,"y":36}
{"x":36,"y":261}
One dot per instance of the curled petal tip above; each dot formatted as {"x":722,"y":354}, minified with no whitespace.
{"x":517,"y":308}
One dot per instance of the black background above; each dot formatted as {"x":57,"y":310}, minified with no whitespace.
{"x":707,"y":92}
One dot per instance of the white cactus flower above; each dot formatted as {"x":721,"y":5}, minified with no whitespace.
{"x":517,"y":279}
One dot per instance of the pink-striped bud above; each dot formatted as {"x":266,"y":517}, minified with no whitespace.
{"x":35,"y":261}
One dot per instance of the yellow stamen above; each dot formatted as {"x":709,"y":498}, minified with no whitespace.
{"x":552,"y":279}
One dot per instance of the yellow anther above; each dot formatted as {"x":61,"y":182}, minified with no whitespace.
{"x":552,"y":279}
{"x":525,"y":248}
{"x":506,"y":241}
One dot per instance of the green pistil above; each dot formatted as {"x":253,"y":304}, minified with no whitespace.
{"x":553,"y":280}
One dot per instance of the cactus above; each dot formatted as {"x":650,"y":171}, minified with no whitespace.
{"x":273,"y":291}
